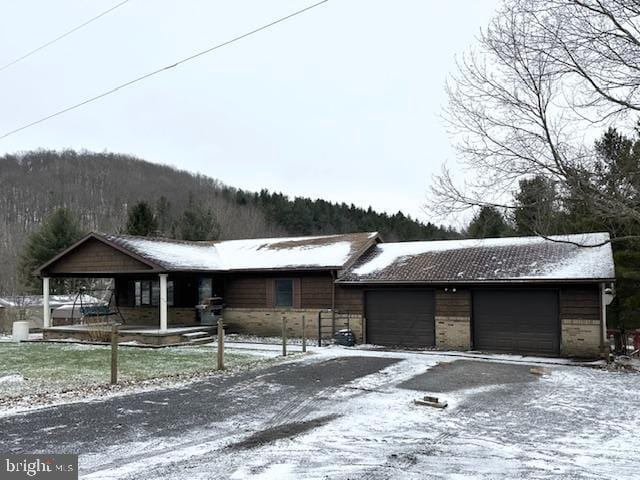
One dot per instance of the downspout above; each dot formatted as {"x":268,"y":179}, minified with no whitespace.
{"x":603,"y":319}
{"x":333,"y":302}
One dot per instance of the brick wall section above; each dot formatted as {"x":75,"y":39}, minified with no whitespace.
{"x":95,"y":256}
{"x":151,"y":316}
{"x":581,"y":329}
{"x":453,"y":319}
{"x":268,"y":321}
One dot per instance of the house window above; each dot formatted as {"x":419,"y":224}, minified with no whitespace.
{"x":284,"y":292}
{"x":147,"y":293}
{"x":145,"y":296}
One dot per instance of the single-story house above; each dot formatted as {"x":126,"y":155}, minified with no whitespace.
{"x":517,"y":295}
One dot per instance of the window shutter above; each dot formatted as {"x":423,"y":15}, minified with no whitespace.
{"x":297,"y":294}
{"x":270,"y":285}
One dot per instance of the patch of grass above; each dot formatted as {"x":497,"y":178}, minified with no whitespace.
{"x":56,"y":367}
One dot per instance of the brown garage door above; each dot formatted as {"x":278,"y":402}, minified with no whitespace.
{"x":518,"y":321}
{"x":400,"y":317}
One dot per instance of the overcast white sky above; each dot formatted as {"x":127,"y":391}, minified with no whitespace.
{"x":342,"y":103}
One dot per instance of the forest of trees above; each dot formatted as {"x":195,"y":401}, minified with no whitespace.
{"x":118,"y":194}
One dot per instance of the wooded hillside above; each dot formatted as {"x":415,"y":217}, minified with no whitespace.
{"x":100,"y":187}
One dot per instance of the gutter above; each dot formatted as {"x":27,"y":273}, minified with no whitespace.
{"x":475,"y":282}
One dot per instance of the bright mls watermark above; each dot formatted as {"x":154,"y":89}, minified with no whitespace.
{"x":36,"y":467}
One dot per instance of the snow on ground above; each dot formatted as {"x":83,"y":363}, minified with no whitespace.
{"x":12,"y":378}
{"x":573,"y":422}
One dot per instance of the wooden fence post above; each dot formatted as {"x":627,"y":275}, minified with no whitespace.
{"x":220,"y":345}
{"x":364,"y":329}
{"x":284,"y":336}
{"x":304,"y":334}
{"x":114,"y":354}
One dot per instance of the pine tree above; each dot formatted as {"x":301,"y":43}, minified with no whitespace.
{"x":537,"y":211}
{"x":141,"y":220}
{"x":487,"y":223}
{"x":58,"y":231}
{"x":197,"y":223}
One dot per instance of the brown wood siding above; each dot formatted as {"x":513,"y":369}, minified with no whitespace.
{"x":95,"y":256}
{"x":580,"y":302}
{"x":247,"y":292}
{"x":309,"y":291}
{"x":315,"y":292}
{"x":349,"y":299}
{"x":453,"y":304}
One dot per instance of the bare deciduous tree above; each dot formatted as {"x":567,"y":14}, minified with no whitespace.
{"x":524,"y":104}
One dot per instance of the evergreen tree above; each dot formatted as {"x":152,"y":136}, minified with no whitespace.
{"x":625,"y":310}
{"x":536,"y":211}
{"x":197,"y":223}
{"x":488,"y":223}
{"x":141,"y":220}
{"x":615,"y":175}
{"x":58,"y":231}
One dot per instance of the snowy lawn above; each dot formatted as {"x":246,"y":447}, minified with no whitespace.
{"x":41,"y":368}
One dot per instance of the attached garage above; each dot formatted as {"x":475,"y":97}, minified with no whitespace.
{"x":521,"y":295}
{"x":516,"y":321}
{"x":400,"y":317}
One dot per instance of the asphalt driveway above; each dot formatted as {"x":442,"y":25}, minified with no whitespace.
{"x":349,"y":414}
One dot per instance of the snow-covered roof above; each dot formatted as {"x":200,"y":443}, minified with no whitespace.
{"x":32,"y":301}
{"x":327,"y":251}
{"x":562,"y":258}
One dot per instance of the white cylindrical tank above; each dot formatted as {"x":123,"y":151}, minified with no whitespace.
{"x":20,"y":331}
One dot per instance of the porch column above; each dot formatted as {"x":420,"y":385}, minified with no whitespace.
{"x":46,"y":311}
{"x":163,"y":302}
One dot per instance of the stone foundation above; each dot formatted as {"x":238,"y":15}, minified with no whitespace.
{"x":581,"y":338}
{"x":453,"y":333}
{"x":267,"y":322}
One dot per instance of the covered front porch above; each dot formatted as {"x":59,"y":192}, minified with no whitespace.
{"x":152,"y":304}
{"x":150,"y":309}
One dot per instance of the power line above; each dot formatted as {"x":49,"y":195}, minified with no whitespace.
{"x":60,"y":37}
{"x":159,"y":70}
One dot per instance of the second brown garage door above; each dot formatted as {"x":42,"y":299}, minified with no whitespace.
{"x":400,"y":317}
{"x":517,"y":321}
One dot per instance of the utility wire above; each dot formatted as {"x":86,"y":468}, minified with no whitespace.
{"x":60,"y":37}
{"x":159,"y":70}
